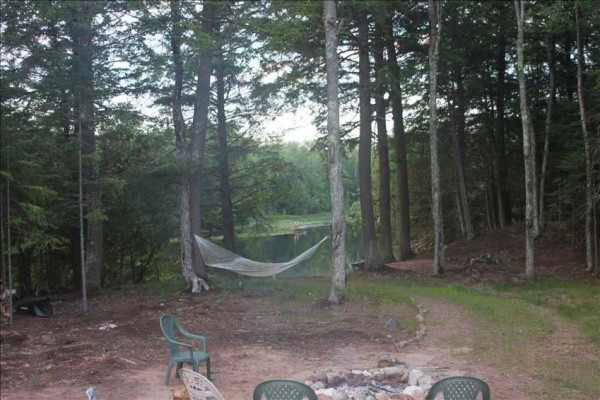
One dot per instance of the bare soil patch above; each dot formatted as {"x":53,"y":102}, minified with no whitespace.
{"x":253,"y":337}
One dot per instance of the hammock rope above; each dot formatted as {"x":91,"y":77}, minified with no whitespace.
{"x":218,"y":257}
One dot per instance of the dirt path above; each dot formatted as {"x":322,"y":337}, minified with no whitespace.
{"x":252,"y":337}
{"x":450,"y":342}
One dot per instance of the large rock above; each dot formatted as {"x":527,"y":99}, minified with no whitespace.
{"x":339,"y":395}
{"x":415,"y":392}
{"x":425,"y":382}
{"x":378,"y":375}
{"x":404,"y":378}
{"x":317,"y":386}
{"x":325,"y":394}
{"x":413,"y":377}
{"x":321,"y":377}
{"x":385,"y":361}
{"x":334,"y":379}
{"x":393,"y":372}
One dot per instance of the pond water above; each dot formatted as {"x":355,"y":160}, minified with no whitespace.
{"x":280,"y":248}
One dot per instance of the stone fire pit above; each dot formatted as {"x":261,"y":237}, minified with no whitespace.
{"x":395,"y":382}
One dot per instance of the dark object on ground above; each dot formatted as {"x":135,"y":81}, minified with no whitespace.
{"x":357,"y":266}
{"x":460,"y":388}
{"x":37,"y":306}
{"x":283,"y":389}
{"x":168,"y":323}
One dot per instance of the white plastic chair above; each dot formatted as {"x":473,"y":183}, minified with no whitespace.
{"x":198,"y":387}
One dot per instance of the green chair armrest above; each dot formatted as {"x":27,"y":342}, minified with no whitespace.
{"x":186,"y":345}
{"x":189,"y":335}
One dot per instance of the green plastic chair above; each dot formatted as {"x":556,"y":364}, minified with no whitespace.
{"x":181,"y":352}
{"x":283,"y":389}
{"x":460,"y":388}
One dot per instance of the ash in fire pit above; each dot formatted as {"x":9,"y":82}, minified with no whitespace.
{"x":397,"y":382}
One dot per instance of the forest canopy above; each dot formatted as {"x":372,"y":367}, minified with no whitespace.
{"x":156,"y":101}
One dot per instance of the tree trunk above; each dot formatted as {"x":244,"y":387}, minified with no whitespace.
{"x":551,"y":99}
{"x":198,"y":132}
{"x":405,"y":251}
{"x":387,"y":253}
{"x":435,"y":15}
{"x":80,"y":200}
{"x":589,"y":253}
{"x":528,"y":147}
{"x":459,"y":153}
{"x":226,"y":205}
{"x":8,"y":251}
{"x":499,"y":152}
{"x":338,"y":227}
{"x":181,"y":144}
{"x":371,"y":251}
{"x":83,"y":58}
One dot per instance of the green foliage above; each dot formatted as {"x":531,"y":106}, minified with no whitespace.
{"x":271,"y":54}
{"x":304,"y":181}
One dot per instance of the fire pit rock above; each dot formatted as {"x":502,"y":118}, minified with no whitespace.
{"x":398,"y":382}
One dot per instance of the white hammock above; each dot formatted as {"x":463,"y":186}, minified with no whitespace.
{"x":218,"y":257}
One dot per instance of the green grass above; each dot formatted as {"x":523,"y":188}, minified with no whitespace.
{"x":510,"y":324}
{"x":280,"y":224}
{"x":170,"y":283}
{"x":579,"y":302}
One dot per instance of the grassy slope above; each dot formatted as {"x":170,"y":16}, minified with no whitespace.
{"x":512,"y":325}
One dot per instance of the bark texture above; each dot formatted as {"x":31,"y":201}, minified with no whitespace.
{"x":371,"y":251}
{"x":499,"y":152}
{"x":435,"y":15}
{"x":338,"y":226}
{"x":226,"y":205}
{"x":198,"y":132}
{"x":181,"y":144}
{"x":528,"y":148}
{"x":550,"y":41}
{"x":460,"y":158}
{"x":385,"y":216}
{"x":404,"y":249}
{"x":83,"y":57}
{"x":589,"y":171}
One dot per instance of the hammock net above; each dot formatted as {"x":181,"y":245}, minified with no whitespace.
{"x":218,"y":257}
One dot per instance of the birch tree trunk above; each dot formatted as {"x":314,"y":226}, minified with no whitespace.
{"x":338,"y":226}
{"x":405,"y":251}
{"x":435,"y":16}
{"x":387,"y":253}
{"x":371,"y":250}
{"x":589,"y":249}
{"x":528,"y":148}
{"x":551,"y":99}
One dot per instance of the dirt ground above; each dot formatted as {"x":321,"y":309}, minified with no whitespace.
{"x":253,"y":338}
